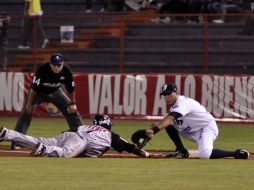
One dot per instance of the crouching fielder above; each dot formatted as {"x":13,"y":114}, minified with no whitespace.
{"x":190,"y":119}
{"x":88,"y":141}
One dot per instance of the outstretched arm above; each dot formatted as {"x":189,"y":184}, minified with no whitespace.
{"x":72,"y":108}
{"x":120,"y":145}
{"x":141,"y":137}
{"x":165,"y":122}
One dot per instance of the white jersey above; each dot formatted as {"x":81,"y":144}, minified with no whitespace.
{"x":194,"y":116}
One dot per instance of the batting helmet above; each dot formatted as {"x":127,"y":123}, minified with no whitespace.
{"x":168,"y":89}
{"x":102,"y":120}
{"x":57,"y":59}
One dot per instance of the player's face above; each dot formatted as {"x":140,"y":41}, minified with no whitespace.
{"x":170,"y":98}
{"x":56,"y":68}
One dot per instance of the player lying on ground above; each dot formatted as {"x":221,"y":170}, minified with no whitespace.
{"x":88,"y":141}
{"x":190,"y":119}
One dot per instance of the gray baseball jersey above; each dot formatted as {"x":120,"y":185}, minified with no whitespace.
{"x":90,"y":141}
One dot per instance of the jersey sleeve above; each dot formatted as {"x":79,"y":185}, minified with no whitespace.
{"x":69,"y":83}
{"x":183,"y":107}
{"x":37,"y":80}
{"x":119,"y":144}
{"x":175,"y":115}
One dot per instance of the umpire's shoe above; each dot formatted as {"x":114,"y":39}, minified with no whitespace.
{"x":2,"y":133}
{"x":242,"y":154}
{"x":39,"y":149}
{"x":178,"y":154}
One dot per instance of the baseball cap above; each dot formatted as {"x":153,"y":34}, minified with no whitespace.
{"x":168,"y":89}
{"x":57,"y":59}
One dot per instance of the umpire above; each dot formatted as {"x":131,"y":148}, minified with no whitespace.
{"x":47,"y":87}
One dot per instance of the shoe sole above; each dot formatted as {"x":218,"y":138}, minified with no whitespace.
{"x":36,"y":150}
{"x":15,"y":147}
{"x":244,"y":152}
{"x":248,"y":154}
{"x":2,"y":133}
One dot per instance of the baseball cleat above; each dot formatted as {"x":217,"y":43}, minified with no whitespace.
{"x":2,"y":133}
{"x":179,"y":154}
{"x":242,"y":154}
{"x":39,"y":149}
{"x":15,"y":146}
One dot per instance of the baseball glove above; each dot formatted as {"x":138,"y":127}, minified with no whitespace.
{"x":140,"y":138}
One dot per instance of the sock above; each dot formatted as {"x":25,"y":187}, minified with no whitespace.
{"x":173,"y":134}
{"x":217,"y":153}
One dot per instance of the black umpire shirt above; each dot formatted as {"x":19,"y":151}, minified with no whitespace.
{"x":46,"y":81}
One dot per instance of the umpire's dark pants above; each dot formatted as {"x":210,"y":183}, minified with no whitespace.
{"x":60,"y":100}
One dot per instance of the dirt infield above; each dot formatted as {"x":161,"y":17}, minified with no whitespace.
{"x":6,"y":152}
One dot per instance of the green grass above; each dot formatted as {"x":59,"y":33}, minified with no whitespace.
{"x":130,"y":174}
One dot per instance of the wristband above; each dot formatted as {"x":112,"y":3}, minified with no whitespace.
{"x":72,"y":103}
{"x":155,"y":129}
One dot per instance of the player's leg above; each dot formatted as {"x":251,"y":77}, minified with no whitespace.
{"x":24,"y":121}
{"x":218,"y":153}
{"x":205,"y":140}
{"x":29,"y":141}
{"x":180,"y":151}
{"x":26,"y":117}
{"x":40,"y":28}
{"x":19,"y":138}
{"x":67,"y":145}
{"x":27,"y":28}
{"x":61,"y":101}
{"x":21,"y":126}
{"x":41,"y":32}
{"x":238,"y":154}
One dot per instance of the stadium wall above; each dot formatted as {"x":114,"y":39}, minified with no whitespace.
{"x":136,"y":96}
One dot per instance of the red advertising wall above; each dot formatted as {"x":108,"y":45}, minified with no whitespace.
{"x":137,"y":95}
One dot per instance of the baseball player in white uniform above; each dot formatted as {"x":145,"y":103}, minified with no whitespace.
{"x":88,"y":141}
{"x":190,"y":119}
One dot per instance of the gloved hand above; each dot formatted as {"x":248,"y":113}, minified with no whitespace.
{"x":140,"y":138}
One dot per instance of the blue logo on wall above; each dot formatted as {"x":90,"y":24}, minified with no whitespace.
{"x":68,"y":35}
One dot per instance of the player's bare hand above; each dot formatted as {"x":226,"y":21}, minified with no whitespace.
{"x":72,"y":108}
{"x":156,"y":155}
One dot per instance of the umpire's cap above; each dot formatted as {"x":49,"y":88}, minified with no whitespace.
{"x":57,"y":59}
{"x":168,"y":89}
